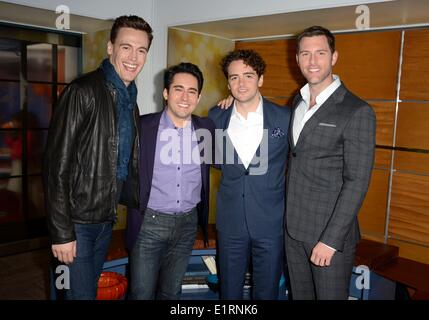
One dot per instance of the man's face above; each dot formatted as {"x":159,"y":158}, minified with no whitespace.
{"x":243,"y":81}
{"x":182,"y":97}
{"x":128,"y":53}
{"x":316,"y":60}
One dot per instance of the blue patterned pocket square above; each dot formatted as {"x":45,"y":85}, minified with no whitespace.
{"x":277,"y":133}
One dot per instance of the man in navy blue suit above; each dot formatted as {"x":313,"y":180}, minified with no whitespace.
{"x":252,"y":154}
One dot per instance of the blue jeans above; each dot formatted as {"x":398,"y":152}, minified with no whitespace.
{"x":92,"y":241}
{"x":161,"y":255}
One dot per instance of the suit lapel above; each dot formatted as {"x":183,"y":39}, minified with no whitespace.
{"x":321,"y":114}
{"x":149,"y":140}
{"x":225,"y":123}
{"x":267,"y":124}
{"x":197,"y":125}
{"x":295,"y":104}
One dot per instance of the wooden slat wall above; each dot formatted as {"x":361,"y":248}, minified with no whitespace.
{"x":415,"y":68}
{"x":412,"y":129}
{"x":373,"y":212}
{"x":385,"y":113}
{"x":382,"y":158}
{"x":368,"y":65}
{"x":412,"y":161}
{"x":409,"y":211}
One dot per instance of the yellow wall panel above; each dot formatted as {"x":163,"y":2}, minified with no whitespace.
{"x":206,"y":52}
{"x":409,"y":211}
{"x":415,"y":67}
{"x":372,"y":215}
{"x":413,"y":124}
{"x":94,"y":47}
{"x":368,"y":63}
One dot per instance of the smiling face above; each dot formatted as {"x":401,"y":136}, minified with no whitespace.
{"x":128,"y":53}
{"x":182,"y":98}
{"x":316,"y":60}
{"x":243,"y":81}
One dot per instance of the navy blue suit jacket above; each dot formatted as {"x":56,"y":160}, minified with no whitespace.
{"x":249,"y":202}
{"x":148,"y":126}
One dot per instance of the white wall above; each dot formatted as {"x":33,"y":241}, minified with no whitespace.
{"x":177,"y":12}
{"x":162,"y":14}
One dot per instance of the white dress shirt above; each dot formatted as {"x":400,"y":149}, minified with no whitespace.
{"x":303,"y":112}
{"x":246,"y":134}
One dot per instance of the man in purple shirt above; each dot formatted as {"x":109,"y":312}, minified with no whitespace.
{"x":175,"y":157}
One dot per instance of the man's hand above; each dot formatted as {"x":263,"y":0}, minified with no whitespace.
{"x":65,"y":252}
{"x":322,"y":255}
{"x":226,"y":103}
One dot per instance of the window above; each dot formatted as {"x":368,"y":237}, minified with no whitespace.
{"x":35,"y":66}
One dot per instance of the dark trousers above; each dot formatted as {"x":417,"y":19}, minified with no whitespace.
{"x":310,"y":282}
{"x":161,"y":255}
{"x":267,"y":261}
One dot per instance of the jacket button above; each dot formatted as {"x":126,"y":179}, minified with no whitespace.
{"x":247,"y":172}
{"x":293,"y":154}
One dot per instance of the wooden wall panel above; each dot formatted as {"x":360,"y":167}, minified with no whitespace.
{"x":377,"y":238}
{"x":412,"y":128}
{"x":411,"y":251}
{"x":415,"y":66}
{"x":282,"y":76}
{"x":372,"y":215}
{"x":368,"y":63}
{"x":281,"y":101}
{"x":412,"y":161}
{"x":385,"y":113}
{"x":409,"y":211}
{"x":382,"y":158}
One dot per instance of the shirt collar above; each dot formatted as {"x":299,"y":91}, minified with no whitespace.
{"x":258,"y":112}
{"x":322,"y":96}
{"x":166,"y":122}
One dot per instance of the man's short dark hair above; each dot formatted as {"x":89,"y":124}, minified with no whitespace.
{"x":250,"y":58}
{"x":131,"y":21}
{"x":317,"y":31}
{"x":183,"y":67}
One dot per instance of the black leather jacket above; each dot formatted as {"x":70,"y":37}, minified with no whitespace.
{"x":81,"y":158}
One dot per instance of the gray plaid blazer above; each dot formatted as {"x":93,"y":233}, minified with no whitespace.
{"x":329,"y":171}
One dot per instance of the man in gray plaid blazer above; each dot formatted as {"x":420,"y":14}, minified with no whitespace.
{"x":332,"y":138}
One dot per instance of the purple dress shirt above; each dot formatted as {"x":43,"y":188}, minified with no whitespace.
{"x":176,"y":182}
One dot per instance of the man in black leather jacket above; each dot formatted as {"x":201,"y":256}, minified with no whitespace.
{"x":91,"y":157}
